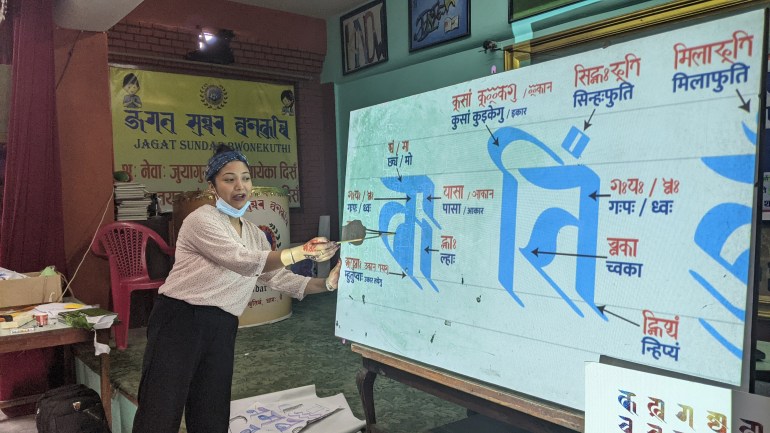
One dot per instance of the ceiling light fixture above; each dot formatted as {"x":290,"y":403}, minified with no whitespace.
{"x":213,"y":47}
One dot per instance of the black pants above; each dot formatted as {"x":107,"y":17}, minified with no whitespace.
{"x":187,"y":367}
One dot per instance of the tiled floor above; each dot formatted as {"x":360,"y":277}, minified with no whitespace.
{"x":476,"y":423}
{"x":24,"y":424}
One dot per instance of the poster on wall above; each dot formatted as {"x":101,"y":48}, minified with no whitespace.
{"x":166,"y":127}
{"x":364,"y":36}
{"x":433,"y":23}
{"x":531,"y":221}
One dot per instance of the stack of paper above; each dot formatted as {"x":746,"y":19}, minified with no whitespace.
{"x":54,"y":308}
{"x":131,"y":201}
{"x":294,"y":410}
{"x":282,"y":418}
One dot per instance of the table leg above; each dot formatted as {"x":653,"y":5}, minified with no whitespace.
{"x":365,"y":382}
{"x":68,"y":359}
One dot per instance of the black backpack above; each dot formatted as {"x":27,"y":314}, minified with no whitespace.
{"x":70,"y":408}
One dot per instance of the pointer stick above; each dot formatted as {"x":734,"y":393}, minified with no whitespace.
{"x":362,"y":239}
{"x":350,"y":240}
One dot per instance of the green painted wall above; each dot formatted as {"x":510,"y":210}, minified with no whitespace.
{"x":405,"y":73}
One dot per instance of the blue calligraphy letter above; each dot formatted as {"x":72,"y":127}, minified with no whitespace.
{"x":718,"y":225}
{"x":402,"y":248}
{"x":552,"y":220}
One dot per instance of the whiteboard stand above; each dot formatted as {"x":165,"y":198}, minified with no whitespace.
{"x":522,"y":411}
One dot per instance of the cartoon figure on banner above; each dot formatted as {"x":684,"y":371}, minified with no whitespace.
{"x":287,"y":99}
{"x":131,"y":87}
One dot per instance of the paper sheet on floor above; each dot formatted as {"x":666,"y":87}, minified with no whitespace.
{"x":286,"y":411}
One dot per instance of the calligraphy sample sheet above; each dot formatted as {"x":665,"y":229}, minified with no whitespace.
{"x":619,"y":399}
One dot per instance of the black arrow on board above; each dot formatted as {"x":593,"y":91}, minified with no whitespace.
{"x":399,"y":174}
{"x":745,"y":105}
{"x":595,"y":194}
{"x":397,"y":273}
{"x":429,"y":249}
{"x":587,"y":123}
{"x":537,"y":253}
{"x":497,"y":143}
{"x":603,"y":309}
{"x":407,"y":198}
{"x":432,"y":197}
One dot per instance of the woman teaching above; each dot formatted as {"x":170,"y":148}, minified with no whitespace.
{"x":220,"y":258}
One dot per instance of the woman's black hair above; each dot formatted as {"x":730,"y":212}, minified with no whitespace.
{"x":222,"y":148}
{"x":130,"y":78}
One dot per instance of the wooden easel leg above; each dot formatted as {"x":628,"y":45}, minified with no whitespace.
{"x":365,"y":383}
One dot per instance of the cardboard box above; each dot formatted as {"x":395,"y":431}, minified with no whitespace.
{"x":32,"y":290}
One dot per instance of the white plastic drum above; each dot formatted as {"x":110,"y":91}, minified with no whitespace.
{"x":184,"y":204}
{"x":270,"y":211}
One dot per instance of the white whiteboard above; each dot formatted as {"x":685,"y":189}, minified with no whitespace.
{"x":529,"y":242}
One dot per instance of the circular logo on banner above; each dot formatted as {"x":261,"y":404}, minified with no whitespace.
{"x":272,"y":235}
{"x":213,"y":96}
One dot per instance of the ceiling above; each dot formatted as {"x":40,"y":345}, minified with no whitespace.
{"x":313,"y":8}
{"x":101,"y":15}
{"x":91,"y":15}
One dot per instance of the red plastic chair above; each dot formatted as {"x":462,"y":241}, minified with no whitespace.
{"x":124,"y":245}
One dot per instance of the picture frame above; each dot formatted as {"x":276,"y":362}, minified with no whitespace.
{"x":433,"y":23}
{"x":364,"y":37}
{"x":521,"y":9}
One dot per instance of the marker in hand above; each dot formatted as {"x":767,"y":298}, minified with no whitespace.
{"x":317,"y":249}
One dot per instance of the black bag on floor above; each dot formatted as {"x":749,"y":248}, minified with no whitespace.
{"x":70,"y":409}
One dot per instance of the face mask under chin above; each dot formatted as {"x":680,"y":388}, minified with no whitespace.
{"x":228,"y":210}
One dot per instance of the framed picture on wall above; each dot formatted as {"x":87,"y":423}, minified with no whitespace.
{"x":364,"y":37}
{"x":520,"y":9}
{"x":434,"y":22}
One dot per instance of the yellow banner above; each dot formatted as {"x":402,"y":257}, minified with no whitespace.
{"x":166,"y":127}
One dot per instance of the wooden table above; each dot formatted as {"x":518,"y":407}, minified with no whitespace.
{"x":53,"y":335}
{"x":523,"y":411}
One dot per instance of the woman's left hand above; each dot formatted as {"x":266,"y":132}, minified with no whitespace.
{"x":333,"y":280}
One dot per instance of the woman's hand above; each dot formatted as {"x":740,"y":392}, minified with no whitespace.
{"x":333,"y":280}
{"x":317,"y":249}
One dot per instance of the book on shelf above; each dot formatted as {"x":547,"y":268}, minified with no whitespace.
{"x":135,"y":204}
{"x":131,"y":201}
{"x":129,"y":190}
